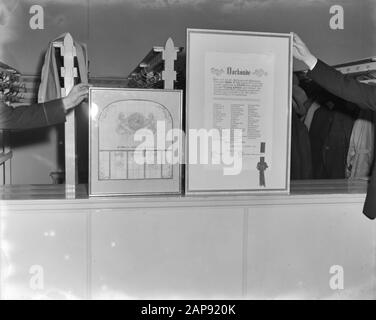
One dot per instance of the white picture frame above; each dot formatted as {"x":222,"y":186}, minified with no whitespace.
{"x":218,"y":98}
{"x":116,"y":114}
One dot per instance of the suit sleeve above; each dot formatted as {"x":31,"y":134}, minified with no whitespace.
{"x":33,"y":116}
{"x":344,"y":86}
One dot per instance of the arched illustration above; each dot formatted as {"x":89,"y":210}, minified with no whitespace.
{"x":122,"y":120}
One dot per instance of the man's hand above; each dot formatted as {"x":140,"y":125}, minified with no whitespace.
{"x":302,"y":53}
{"x":78,"y":94}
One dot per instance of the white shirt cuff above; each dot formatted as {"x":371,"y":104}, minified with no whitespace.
{"x":312,"y":63}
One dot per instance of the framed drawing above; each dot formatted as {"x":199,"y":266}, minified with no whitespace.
{"x":238,"y":102}
{"x":133,"y":144}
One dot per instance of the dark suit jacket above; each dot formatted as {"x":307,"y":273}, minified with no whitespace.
{"x":301,"y":158}
{"x":354,"y":91}
{"x":34,"y":116}
{"x":330,"y":135}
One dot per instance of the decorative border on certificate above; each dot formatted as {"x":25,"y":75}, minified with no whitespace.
{"x":120,"y":161}
{"x":241,"y":83}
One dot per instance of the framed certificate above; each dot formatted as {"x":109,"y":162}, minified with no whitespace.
{"x":133,"y":148}
{"x":239,"y":94}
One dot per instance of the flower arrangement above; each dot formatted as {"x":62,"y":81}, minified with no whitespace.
{"x":11,"y":88}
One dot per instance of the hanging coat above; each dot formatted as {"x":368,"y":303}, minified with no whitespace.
{"x":361,"y":150}
{"x":301,"y":159}
{"x":330,"y":135}
{"x":50,"y":87}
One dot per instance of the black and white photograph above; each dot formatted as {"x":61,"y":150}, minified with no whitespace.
{"x":190,"y":156}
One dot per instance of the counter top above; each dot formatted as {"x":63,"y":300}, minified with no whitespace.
{"x":52,"y":197}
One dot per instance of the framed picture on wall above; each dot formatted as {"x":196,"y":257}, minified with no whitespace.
{"x":238,"y":102}
{"x":135,"y":147}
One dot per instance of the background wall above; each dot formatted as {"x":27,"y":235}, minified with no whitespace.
{"x":120,"y":32}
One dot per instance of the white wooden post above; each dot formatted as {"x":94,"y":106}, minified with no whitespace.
{"x":5,"y":159}
{"x":169,"y":55}
{"x":69,"y":72}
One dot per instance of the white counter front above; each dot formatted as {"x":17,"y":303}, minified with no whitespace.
{"x":273,"y":246}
